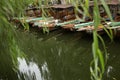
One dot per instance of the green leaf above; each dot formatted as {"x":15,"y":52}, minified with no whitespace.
{"x":101,"y":60}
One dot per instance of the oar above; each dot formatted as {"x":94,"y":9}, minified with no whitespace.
{"x":69,"y":22}
{"x":33,"y":19}
{"x":113,"y":25}
{"x":30,"y":19}
{"x":83,"y":24}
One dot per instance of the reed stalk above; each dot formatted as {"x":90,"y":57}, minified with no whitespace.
{"x":15,"y":8}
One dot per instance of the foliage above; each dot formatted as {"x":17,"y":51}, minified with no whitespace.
{"x":9,"y":49}
{"x":97,"y":66}
{"x":12,"y":8}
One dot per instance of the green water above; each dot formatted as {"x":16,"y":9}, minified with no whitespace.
{"x":59,"y":55}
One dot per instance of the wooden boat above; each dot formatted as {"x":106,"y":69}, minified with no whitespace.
{"x":114,"y":6}
{"x":69,"y":25}
{"x":38,"y":22}
{"x":49,"y":24}
{"x":89,"y":27}
{"x":66,"y":14}
{"x":33,"y":12}
{"x":63,"y":12}
{"x":78,"y":25}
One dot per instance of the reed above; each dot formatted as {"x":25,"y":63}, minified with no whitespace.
{"x":8,"y":45}
{"x":15,"y":8}
{"x":97,"y":65}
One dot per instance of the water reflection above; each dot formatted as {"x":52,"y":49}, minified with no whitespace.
{"x":109,"y":70}
{"x":58,"y":56}
{"x":29,"y":71}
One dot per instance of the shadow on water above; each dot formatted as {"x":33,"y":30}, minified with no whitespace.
{"x":112,"y":68}
{"x":61,"y":55}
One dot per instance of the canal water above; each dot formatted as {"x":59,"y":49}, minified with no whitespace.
{"x":59,"y":55}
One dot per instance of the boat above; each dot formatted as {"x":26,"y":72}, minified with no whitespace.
{"x":47,"y":24}
{"x":63,"y":16}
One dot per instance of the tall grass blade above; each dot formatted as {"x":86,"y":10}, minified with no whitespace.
{"x":109,"y":15}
